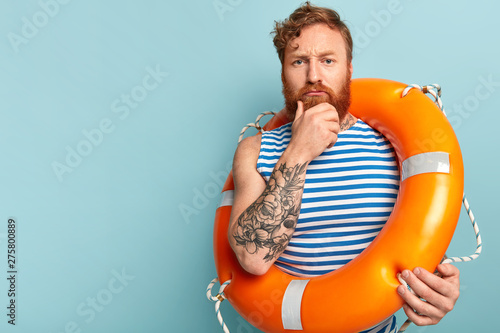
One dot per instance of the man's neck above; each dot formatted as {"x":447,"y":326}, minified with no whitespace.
{"x":347,"y":122}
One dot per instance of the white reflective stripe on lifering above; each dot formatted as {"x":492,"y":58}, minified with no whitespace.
{"x":436,"y":161}
{"x":226,"y":198}
{"x":290,"y":309}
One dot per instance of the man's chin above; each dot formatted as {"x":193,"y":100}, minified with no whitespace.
{"x":312,"y":101}
{"x":308,"y":101}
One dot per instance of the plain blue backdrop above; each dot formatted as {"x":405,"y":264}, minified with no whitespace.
{"x":119,"y":120}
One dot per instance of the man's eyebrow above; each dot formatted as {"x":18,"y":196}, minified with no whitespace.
{"x":299,"y":54}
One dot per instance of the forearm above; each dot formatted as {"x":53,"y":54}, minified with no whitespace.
{"x":262,"y":232}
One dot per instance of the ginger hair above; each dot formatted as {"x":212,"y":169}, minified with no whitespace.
{"x":304,"y":16}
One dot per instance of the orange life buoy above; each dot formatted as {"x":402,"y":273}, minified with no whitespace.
{"x":363,"y":292}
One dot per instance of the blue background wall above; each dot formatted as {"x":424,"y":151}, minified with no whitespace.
{"x":118,"y":116}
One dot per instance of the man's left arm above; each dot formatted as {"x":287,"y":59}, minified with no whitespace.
{"x":439,"y":292}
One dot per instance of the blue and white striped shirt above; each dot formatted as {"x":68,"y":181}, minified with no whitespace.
{"x":349,"y":193}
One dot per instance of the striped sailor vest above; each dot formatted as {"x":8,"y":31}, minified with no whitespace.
{"x":349,"y":193}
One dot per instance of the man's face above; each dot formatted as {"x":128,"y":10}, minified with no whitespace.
{"x":315,"y":70}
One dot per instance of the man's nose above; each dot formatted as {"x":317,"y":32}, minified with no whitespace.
{"x":313,"y":74}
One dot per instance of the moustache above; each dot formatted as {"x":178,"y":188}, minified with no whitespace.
{"x":319,"y":87}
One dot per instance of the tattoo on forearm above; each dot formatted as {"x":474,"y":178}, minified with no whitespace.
{"x":271,"y":219}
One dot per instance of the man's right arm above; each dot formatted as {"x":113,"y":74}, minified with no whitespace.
{"x":264,"y":216}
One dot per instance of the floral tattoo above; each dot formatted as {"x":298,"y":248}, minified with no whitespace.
{"x":271,"y":219}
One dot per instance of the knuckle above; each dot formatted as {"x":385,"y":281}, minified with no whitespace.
{"x":419,"y":321}
{"x":455,"y":294}
{"x":448,"y":307}
{"x":336,"y":127}
{"x":314,"y":117}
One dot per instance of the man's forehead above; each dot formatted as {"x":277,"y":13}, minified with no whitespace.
{"x":317,"y":38}
{"x":297,"y":52}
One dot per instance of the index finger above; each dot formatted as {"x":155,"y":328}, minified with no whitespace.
{"x":436,"y":283}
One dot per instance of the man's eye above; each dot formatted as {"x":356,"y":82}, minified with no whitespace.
{"x":298,"y":62}
{"x":328,"y":61}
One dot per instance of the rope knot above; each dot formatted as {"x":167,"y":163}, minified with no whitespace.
{"x":220,"y":297}
{"x":433,"y":89}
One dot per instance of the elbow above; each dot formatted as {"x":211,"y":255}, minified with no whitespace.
{"x":252,"y":263}
{"x":255,"y":269}
{"x":253,"y":266}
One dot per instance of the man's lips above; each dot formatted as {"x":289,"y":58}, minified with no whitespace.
{"x":315,"y":93}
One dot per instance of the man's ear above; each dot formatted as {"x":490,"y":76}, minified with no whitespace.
{"x":350,"y":68}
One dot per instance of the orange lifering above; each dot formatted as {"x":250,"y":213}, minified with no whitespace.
{"x":363,"y":292}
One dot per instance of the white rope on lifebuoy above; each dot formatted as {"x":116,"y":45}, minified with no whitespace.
{"x":209,"y":290}
{"x":433,"y":89}
{"x":256,"y":124}
{"x":218,"y":299}
{"x":478,"y":237}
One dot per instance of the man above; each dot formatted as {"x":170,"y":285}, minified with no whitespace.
{"x":312,"y":194}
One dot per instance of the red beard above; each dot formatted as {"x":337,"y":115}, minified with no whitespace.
{"x":340,"y":101}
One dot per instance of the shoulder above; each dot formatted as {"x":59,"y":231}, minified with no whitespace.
{"x":249,"y":148}
{"x":249,"y":144}
{"x":247,"y":151}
